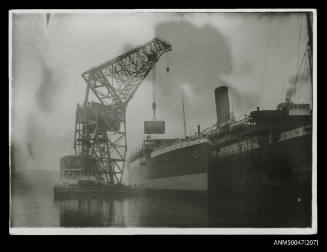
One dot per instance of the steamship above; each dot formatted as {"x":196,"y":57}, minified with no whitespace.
{"x":256,"y":171}
{"x":260,"y":170}
{"x":178,"y":164}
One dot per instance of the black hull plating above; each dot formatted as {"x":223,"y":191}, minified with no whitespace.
{"x":188,"y":160}
{"x":266,"y":187}
{"x":184,"y":168}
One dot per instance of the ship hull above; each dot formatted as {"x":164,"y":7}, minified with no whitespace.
{"x":182,"y":167}
{"x":265,"y":187}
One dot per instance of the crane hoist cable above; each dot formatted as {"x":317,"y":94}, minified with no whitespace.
{"x":154,"y":103}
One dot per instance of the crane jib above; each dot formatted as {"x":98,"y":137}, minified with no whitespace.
{"x":122,"y":75}
{"x":100,"y":130}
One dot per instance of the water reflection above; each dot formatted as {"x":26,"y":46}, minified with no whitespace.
{"x":91,"y":212}
{"x":141,"y":211}
{"x":40,"y":210}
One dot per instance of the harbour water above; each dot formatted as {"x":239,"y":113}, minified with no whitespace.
{"x":87,"y":211}
{"x":33,"y":205}
{"x":140,"y":211}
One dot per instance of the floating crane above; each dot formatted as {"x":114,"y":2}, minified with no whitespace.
{"x":100,"y":129}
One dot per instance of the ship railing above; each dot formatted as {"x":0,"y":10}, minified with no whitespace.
{"x":244,"y":121}
{"x":204,"y":132}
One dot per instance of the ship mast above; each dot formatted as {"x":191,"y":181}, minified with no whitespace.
{"x":309,"y":27}
{"x":307,"y":53}
{"x":310,"y":51}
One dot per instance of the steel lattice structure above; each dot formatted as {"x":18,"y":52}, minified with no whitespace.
{"x":100,"y":131}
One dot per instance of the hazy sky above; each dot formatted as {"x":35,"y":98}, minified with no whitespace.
{"x":256,"y":55}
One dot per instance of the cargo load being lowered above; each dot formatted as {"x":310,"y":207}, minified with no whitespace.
{"x":100,"y":130}
{"x":171,"y":165}
{"x":256,"y":171}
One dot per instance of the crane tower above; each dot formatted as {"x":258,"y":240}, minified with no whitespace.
{"x":100,"y":130}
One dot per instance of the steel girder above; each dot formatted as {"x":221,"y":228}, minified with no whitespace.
{"x":114,"y":84}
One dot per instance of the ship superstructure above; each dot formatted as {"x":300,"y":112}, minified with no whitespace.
{"x":260,"y":171}
{"x":262,"y":162}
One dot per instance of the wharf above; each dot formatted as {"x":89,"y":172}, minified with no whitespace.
{"x":63,"y":192}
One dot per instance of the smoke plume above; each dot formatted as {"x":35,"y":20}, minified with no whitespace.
{"x":199,"y":56}
{"x":300,"y":78}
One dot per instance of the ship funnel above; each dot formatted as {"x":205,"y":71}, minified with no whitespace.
{"x":222,"y":104}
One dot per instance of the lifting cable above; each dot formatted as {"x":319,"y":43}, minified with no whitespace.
{"x":154,"y":104}
{"x":167,"y":67}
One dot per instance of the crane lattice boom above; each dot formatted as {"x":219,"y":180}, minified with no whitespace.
{"x":115,"y":81}
{"x":100,"y":131}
